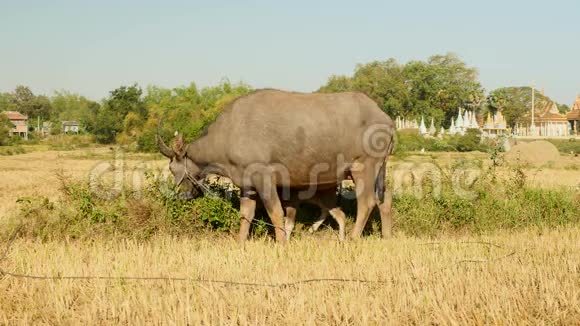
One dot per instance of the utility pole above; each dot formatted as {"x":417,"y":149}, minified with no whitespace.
{"x":533,"y":126}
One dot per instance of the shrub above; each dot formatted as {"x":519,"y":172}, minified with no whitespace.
{"x":12,"y":150}
{"x":82,"y":212}
{"x":568,"y":146}
{"x":69,"y":142}
{"x":410,"y":140}
{"x":5,"y":126}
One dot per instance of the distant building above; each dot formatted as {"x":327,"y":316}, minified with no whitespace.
{"x":548,"y":122}
{"x":573,"y":117}
{"x":20,"y":122}
{"x":70,"y":127}
{"x":495,"y":125}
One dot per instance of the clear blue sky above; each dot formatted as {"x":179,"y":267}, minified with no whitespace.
{"x":92,"y":47}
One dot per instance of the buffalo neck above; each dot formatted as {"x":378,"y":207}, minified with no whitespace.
{"x":206,"y":151}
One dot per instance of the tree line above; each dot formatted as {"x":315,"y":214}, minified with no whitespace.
{"x":435,"y":88}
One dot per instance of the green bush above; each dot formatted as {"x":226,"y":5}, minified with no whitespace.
{"x":410,"y":140}
{"x":12,"y":150}
{"x":82,"y":212}
{"x":471,"y":141}
{"x":5,"y":126}
{"x":529,"y":207}
{"x":64,"y":142}
{"x":568,"y":146}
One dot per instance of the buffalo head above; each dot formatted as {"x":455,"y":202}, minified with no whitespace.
{"x":185,"y":172}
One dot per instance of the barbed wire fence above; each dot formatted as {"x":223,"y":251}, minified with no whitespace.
{"x":7,"y":273}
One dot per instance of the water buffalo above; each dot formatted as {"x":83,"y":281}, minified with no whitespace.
{"x":273,"y":139}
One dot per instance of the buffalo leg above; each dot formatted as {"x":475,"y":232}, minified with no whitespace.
{"x":290,"y":221}
{"x":340,"y":218}
{"x":321,"y":219}
{"x":247,"y":212}
{"x":267,"y":191}
{"x":364,"y":180}
{"x":385,"y":208}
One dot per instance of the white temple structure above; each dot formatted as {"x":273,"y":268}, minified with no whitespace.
{"x":402,"y":123}
{"x":432,"y":129}
{"x":494,"y":125}
{"x":459,"y":128}
{"x":465,"y":120}
{"x":573,"y":118}
{"x":422,"y":128}
{"x":548,"y":122}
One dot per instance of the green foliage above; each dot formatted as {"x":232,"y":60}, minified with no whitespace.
{"x":515,"y":102}
{"x":412,"y":141}
{"x":471,"y":141}
{"x":522,"y":208}
{"x":80,"y":196}
{"x":217,"y":213}
{"x":435,"y":88}
{"x":63,"y":142}
{"x":185,"y":109}
{"x":563,"y":108}
{"x":5,"y":126}
{"x":6,"y":103}
{"x":25,"y":102}
{"x":12,"y":150}
{"x":105,"y":125}
{"x":56,"y":128}
{"x":107,"y":121}
{"x":83,"y":213}
{"x":568,"y":146}
{"x":67,"y":106}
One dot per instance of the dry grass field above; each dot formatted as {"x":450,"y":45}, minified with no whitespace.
{"x":532,"y":278}
{"x":35,"y":173}
{"x":529,"y":276}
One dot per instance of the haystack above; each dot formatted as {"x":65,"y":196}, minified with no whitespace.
{"x":536,"y":153}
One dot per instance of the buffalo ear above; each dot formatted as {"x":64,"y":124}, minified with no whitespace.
{"x":178,"y":146}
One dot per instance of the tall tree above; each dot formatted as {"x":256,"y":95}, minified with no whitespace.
{"x":69,"y":106}
{"x":5,"y":126}
{"x":433,"y":88}
{"x":337,"y":84}
{"x":107,"y":121}
{"x":515,"y":102}
{"x":188,"y":109}
{"x":6,"y":102}
{"x":127,"y":99}
{"x":24,"y":101}
{"x":442,"y":85}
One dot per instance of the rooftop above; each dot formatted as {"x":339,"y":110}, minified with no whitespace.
{"x":14,"y":115}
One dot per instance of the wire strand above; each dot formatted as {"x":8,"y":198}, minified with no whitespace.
{"x":12,"y":238}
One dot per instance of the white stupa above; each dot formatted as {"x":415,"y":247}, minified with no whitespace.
{"x":473,"y":124}
{"x":422,"y":128}
{"x":459,"y":123}
{"x":452,"y":129}
{"x":432,"y":129}
{"x":466,"y":119}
